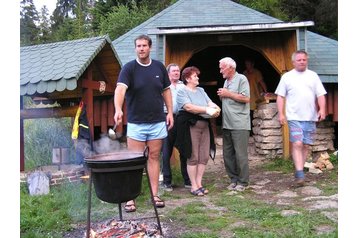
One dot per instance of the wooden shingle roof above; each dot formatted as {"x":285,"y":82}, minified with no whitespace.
{"x":57,"y":66}
{"x":190,"y":13}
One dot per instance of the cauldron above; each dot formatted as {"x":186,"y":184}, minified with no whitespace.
{"x":117,"y":177}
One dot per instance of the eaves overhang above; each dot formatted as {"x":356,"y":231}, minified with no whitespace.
{"x":215,"y":29}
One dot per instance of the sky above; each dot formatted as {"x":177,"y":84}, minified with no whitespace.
{"x":50,"y":4}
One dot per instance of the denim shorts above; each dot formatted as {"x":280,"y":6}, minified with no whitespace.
{"x":303,"y":131}
{"x":147,"y":131}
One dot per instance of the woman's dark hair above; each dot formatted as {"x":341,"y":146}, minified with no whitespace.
{"x":188,"y":71}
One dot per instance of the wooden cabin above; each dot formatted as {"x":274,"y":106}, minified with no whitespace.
{"x":67,"y":73}
{"x":187,"y":33}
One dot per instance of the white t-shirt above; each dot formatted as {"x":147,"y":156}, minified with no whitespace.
{"x":301,"y":90}
{"x":174,"y":90}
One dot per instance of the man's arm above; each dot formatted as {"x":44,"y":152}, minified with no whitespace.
{"x":321,"y":107}
{"x":280,"y":102}
{"x":119,"y":94}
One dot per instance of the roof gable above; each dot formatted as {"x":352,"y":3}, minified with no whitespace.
{"x":57,"y":66}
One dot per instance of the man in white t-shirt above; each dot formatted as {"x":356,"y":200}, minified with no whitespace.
{"x":301,"y":103}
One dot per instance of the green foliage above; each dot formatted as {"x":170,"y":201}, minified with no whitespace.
{"x":269,"y":7}
{"x":334,"y":159}
{"x":44,"y":26}
{"x":324,"y":13}
{"x":41,"y":136}
{"x":122,"y":19}
{"x":29,"y":32}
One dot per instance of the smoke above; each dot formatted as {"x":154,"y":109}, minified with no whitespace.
{"x":106,"y":145}
{"x":101,"y":146}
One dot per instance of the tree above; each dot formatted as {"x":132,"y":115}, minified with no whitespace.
{"x":44,"y":26}
{"x":122,"y":19}
{"x":103,"y":8}
{"x":29,"y":32}
{"x":72,"y":20}
{"x":65,"y":9}
{"x":324,"y":13}
{"x":269,"y":7}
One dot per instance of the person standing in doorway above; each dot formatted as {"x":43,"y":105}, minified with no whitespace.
{"x":144,"y":83}
{"x":256,"y":82}
{"x":301,"y":103}
{"x":235,"y":97}
{"x":168,"y":143}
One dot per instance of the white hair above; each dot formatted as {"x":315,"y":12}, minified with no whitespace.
{"x":228,"y":62}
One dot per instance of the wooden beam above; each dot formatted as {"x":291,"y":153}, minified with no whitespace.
{"x":22,"y":144}
{"x":96,"y":112}
{"x":53,"y":112}
{"x":88,"y":98}
{"x":104,"y":116}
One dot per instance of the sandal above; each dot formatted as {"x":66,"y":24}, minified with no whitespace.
{"x":197,"y":192}
{"x":130,"y":206}
{"x":204,"y":190}
{"x":158,"y":202}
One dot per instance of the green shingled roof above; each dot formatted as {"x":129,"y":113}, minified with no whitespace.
{"x":57,"y":66}
{"x":189,"y":13}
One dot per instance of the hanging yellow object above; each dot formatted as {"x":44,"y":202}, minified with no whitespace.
{"x":75,"y":128}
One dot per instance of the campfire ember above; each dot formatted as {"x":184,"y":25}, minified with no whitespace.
{"x":125,"y":229}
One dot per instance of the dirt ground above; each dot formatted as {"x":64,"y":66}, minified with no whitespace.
{"x":272,"y":187}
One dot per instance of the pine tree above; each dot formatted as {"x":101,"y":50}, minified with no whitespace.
{"x":44,"y":26}
{"x":29,"y":31}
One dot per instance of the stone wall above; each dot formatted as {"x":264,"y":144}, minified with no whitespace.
{"x":59,"y":174}
{"x":267,"y":133}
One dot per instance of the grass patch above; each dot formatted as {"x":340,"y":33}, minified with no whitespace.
{"x":268,"y":219}
{"x":198,"y":235}
{"x":279,"y":164}
{"x":50,"y":215}
{"x":238,"y":216}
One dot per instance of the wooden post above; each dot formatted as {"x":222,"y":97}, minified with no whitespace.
{"x":286,"y":141}
{"x":285,"y":138}
{"x":88,"y":100}
{"x":22,"y":144}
